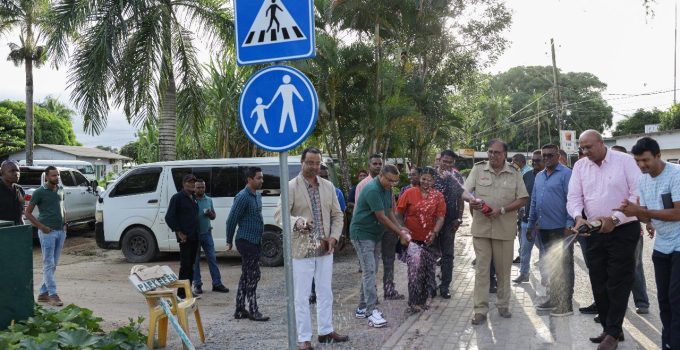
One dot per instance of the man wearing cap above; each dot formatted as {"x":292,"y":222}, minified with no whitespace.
{"x":182,"y":218}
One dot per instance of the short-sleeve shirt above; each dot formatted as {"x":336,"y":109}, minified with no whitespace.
{"x":420,"y":214}
{"x":50,"y":203}
{"x":497,"y":190}
{"x":204,"y":203}
{"x":373,"y":198}
{"x":651,"y":189}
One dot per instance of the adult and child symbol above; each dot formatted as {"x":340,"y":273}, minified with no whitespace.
{"x":286,"y":91}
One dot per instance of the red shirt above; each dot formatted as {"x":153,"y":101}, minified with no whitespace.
{"x":420,"y":214}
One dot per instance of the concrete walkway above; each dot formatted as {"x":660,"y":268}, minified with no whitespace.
{"x":446,"y":325}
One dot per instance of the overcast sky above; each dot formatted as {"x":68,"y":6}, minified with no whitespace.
{"x":614,"y":39}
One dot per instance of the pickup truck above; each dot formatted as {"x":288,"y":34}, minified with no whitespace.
{"x":80,"y":195}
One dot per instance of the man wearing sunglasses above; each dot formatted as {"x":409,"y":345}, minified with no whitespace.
{"x":549,"y":218}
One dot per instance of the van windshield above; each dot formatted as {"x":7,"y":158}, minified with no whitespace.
{"x":85,"y":169}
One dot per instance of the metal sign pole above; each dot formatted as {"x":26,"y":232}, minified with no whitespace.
{"x":287,"y":251}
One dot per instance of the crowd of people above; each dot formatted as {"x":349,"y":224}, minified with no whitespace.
{"x":599,"y":203}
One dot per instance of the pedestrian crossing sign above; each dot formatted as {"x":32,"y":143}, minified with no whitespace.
{"x":273,"y":30}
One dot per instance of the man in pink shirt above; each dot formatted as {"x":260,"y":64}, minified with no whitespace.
{"x":598,"y":185}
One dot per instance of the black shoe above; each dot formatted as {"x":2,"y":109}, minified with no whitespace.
{"x":197,"y":290}
{"x":241,"y":314}
{"x":257,"y":316}
{"x":589,"y":310}
{"x":516,"y":261}
{"x":312,"y":298}
{"x":445,"y":293}
{"x":596,"y":319}
{"x":220,"y":288}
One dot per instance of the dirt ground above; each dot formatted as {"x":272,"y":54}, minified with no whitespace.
{"x":97,"y":279}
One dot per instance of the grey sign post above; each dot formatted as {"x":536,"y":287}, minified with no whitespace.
{"x":287,"y":251}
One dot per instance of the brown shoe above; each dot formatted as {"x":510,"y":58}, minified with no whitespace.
{"x":601,"y":337}
{"x":333,"y":337}
{"x":55,"y":301}
{"x":608,"y":343}
{"x":43,"y":298}
{"x":478,"y":319}
{"x":307,"y":345}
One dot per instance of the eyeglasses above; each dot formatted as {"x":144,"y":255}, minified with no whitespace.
{"x":537,"y":160}
{"x":494,"y":153}
{"x":585,"y":149}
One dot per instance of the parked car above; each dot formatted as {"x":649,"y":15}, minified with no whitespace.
{"x":80,"y":194}
{"x":85,"y":168}
{"x":131,"y":211}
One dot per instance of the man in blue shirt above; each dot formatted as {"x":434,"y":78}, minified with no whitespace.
{"x":246,"y":213}
{"x":206,"y":213}
{"x":548,"y":214}
{"x":526,"y":239}
{"x":659,"y":188}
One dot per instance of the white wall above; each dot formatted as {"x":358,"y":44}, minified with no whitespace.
{"x":43,"y":154}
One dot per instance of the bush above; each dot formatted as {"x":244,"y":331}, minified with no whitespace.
{"x":70,"y":328}
{"x":465,"y":172}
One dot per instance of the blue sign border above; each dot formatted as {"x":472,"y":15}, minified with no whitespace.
{"x":282,"y":57}
{"x":315,"y":100}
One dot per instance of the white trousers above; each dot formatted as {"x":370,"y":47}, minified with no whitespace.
{"x":321,"y":270}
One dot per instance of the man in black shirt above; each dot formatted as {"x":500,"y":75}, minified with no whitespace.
{"x":182,"y":218}
{"x":527,"y":240}
{"x":11,"y":194}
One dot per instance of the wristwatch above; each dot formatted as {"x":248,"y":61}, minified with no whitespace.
{"x":616,"y":220}
{"x":502,"y":210}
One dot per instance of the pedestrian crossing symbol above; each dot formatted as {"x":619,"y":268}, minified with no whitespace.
{"x":273,"y":30}
{"x":278,"y":108}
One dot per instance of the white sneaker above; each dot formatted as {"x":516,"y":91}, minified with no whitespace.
{"x":376,"y":319}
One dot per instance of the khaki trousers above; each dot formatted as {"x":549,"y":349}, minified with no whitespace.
{"x":501,"y":251}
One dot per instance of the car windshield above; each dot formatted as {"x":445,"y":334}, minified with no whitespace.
{"x":30,"y":177}
{"x":86,"y":169}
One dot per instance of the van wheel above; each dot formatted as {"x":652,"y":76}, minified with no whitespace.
{"x":272,"y":249}
{"x":139,"y":245}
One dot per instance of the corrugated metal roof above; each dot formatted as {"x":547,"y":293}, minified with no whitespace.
{"x":84,"y":151}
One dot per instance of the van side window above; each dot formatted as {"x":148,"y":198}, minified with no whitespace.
{"x":80,"y":179}
{"x":66,"y":178}
{"x":143,"y":180}
{"x":204,"y":174}
{"x":272,"y":180}
{"x":226,"y":181}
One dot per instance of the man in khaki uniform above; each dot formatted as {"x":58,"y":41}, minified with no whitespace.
{"x":502,"y":188}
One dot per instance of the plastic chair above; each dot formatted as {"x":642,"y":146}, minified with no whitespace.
{"x":180,"y":308}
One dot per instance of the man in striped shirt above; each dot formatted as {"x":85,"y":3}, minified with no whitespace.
{"x":246,"y":212}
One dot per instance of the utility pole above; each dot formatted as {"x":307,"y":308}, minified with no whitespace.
{"x":556,"y":88}
{"x":538,"y":122}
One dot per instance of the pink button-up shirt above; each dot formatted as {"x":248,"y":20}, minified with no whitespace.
{"x":600,"y":189}
{"x":360,"y":186}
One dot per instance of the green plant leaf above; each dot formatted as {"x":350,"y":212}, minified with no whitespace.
{"x":77,"y":338}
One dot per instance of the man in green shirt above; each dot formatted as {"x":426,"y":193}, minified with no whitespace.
{"x":372,"y":216}
{"x":49,"y":198}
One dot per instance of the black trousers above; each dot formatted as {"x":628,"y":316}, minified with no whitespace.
{"x":187,"y":257}
{"x":250,"y":275}
{"x":561,"y":290}
{"x":667,"y":274}
{"x":612,"y":272}
{"x":444,"y":244}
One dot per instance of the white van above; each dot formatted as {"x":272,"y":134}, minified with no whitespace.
{"x":85,"y":168}
{"x":131,"y":211}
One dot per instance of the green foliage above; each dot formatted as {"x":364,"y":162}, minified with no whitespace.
{"x":70,"y":328}
{"x":465,"y":172}
{"x":48,"y":127}
{"x":635,"y":124}
{"x":130,"y":150}
{"x":670,"y":119}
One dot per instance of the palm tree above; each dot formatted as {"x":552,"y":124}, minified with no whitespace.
{"x":29,"y":19}
{"x":139,"y":54}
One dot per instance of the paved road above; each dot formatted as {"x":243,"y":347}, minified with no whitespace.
{"x":447,"y":324}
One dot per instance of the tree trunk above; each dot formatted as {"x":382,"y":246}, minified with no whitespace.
{"x":167,"y":125}
{"x":29,"y":111}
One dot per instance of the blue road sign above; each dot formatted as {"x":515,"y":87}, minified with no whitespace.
{"x":273,"y":30}
{"x":278,"y":108}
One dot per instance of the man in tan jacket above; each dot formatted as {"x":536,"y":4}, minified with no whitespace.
{"x":317,"y":224}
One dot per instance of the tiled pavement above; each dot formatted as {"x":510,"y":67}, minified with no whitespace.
{"x":447,"y":324}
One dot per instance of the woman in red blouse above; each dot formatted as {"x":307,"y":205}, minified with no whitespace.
{"x":422,"y":210}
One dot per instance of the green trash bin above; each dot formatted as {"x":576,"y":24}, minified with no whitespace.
{"x":16,"y":259}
